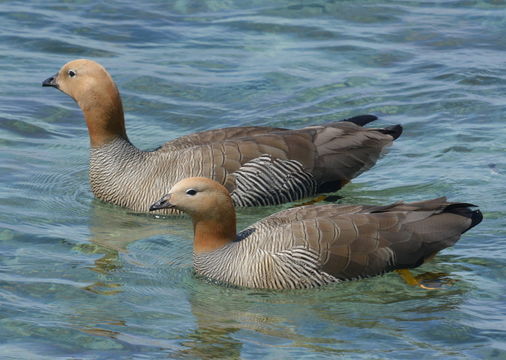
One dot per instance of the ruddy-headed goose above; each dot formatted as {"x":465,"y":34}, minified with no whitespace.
{"x":313,"y":245}
{"x":257,"y":165}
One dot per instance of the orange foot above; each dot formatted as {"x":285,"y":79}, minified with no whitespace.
{"x":312,"y":201}
{"x":417,"y":281}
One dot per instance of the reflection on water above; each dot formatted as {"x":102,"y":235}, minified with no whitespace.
{"x":103,"y":288}
{"x":275,"y":319}
{"x":112,"y":229}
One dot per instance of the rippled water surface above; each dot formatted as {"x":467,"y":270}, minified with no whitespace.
{"x":80,"y":279}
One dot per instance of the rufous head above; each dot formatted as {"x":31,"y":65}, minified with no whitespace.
{"x":199,"y":197}
{"x":210,"y":207}
{"x":81,"y":78}
{"x":91,"y":86}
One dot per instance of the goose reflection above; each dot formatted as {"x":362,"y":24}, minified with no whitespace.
{"x":112,"y":229}
{"x":275,"y":319}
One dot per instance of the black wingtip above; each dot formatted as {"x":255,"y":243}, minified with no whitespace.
{"x":362,"y":120}
{"x":395,"y":131}
{"x":463,"y":209}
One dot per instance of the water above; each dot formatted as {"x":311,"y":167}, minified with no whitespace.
{"x":80,"y":279}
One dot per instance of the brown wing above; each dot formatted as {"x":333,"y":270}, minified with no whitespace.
{"x":332,"y":154}
{"x":347,"y":150}
{"x":359,"y":241}
{"x":402,"y":236}
{"x":215,"y":136}
{"x":267,"y":166}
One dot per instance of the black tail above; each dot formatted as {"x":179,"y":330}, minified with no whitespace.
{"x":362,"y":120}
{"x":395,"y":131}
{"x":463,"y":209}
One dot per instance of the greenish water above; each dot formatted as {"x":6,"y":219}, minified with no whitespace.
{"x":80,"y":279}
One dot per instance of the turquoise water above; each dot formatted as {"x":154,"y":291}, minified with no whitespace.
{"x":80,"y":279}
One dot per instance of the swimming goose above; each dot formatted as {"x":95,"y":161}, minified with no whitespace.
{"x":313,"y":245}
{"x":258,"y":165}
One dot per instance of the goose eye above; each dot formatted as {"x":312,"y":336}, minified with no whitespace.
{"x":191,"y":192}
{"x":72,"y":73}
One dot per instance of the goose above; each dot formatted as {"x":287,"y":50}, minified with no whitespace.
{"x":258,"y":165}
{"x":313,"y":245}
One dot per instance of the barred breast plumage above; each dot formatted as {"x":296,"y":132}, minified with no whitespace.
{"x":258,"y":165}
{"x":314,"y":245}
